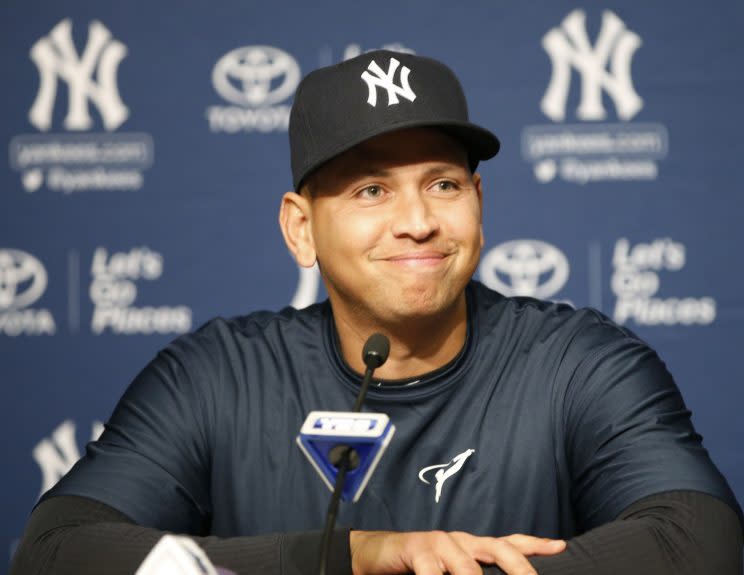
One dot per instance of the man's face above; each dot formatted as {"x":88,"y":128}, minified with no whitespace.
{"x":395,"y":224}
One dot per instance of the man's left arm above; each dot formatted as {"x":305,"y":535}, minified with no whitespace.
{"x":646,"y":495}
{"x":670,"y":533}
{"x":674,"y":533}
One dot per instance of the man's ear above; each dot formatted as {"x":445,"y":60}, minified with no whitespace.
{"x":478,"y":188}
{"x":296,"y":225}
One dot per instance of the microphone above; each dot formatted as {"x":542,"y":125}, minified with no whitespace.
{"x":327,"y":437}
{"x":376,"y":350}
{"x":341,"y":442}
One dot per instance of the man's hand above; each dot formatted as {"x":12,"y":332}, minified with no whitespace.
{"x":438,"y":552}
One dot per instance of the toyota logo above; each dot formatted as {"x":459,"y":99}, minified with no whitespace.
{"x":22,"y":279}
{"x":256,"y":76}
{"x":525,"y":268}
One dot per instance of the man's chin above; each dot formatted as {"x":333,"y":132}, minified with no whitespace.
{"x":419,"y":304}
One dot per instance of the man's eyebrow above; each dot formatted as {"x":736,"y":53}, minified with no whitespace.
{"x":441,"y":169}
{"x":383,"y":173}
{"x":372,"y":172}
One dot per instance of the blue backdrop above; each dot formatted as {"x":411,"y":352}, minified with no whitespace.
{"x":147,"y":154}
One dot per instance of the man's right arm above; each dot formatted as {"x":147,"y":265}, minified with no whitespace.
{"x":70,"y":535}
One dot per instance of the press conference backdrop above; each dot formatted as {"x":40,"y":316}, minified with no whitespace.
{"x":147,"y":153}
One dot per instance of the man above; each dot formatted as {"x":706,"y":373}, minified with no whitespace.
{"x":520,"y":424}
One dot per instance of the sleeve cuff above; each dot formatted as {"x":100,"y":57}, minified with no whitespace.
{"x":300,"y":553}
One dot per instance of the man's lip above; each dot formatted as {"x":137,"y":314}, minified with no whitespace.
{"x":429,"y":255}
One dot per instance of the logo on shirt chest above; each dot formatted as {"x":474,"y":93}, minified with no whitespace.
{"x":440,"y":473}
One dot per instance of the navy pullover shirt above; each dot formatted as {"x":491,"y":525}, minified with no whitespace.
{"x":550,"y":421}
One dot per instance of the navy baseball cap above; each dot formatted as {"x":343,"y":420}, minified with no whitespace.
{"x":337,"y":107}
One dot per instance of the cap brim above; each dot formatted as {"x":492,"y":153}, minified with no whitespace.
{"x":479,"y":143}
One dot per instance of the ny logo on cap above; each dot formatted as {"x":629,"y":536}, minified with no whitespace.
{"x":385,"y":80}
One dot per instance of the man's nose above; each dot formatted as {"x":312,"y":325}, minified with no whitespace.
{"x":414,"y":217}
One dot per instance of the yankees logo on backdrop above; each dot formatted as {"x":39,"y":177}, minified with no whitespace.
{"x":569,"y":46}
{"x":86,"y":159}
{"x":375,"y":78}
{"x":57,"y":453}
{"x":590,"y":152}
{"x":56,"y":58}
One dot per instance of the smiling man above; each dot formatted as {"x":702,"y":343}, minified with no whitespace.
{"x":397,"y":241}
{"x":531,"y":437}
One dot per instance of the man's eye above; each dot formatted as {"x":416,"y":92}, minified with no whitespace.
{"x":371,"y":192}
{"x":446,"y":186}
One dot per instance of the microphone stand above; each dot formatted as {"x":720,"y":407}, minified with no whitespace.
{"x":372,"y":359}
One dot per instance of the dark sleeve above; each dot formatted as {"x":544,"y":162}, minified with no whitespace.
{"x":674,"y":533}
{"x":153,"y":460}
{"x":70,"y":535}
{"x":626,"y":432}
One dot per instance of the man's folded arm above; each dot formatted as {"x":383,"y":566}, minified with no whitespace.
{"x":671,"y":533}
{"x":676,"y":532}
{"x":69,"y":535}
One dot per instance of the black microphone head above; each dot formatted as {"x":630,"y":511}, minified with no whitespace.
{"x":376,"y":350}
